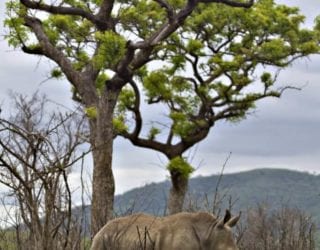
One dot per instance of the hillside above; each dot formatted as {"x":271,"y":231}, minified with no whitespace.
{"x":275,"y":187}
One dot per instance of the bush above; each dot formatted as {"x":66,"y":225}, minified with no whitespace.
{"x":283,"y":229}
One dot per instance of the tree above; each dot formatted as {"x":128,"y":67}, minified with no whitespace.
{"x":215,"y":67}
{"x":38,"y":149}
{"x":102,"y":46}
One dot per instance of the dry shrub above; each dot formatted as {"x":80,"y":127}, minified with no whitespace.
{"x":282,"y":229}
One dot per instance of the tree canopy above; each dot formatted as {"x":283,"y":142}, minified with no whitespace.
{"x":202,"y":71}
{"x":215,"y":67}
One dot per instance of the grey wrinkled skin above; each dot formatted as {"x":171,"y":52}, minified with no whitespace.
{"x":182,"y":231}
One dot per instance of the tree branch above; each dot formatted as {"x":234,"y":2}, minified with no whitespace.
{"x":74,"y":11}
{"x":170,"y":11}
{"x":104,"y":15}
{"x":230,"y":3}
{"x":52,"y":52}
{"x":136,"y":110}
{"x":33,"y":51}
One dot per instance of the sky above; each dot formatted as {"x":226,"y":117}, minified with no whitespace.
{"x":281,"y":133}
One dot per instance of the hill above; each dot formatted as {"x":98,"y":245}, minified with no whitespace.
{"x":274,"y":187}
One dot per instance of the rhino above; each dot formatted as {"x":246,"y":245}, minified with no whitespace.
{"x":181,"y":231}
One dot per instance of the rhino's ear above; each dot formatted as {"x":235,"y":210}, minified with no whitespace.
{"x":233,"y":221}
{"x":223,"y":221}
{"x":227,"y":217}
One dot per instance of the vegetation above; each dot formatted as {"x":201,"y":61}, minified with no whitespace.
{"x":269,"y":208}
{"x":207,"y":51}
{"x":317,"y":239}
{"x":38,"y":149}
{"x":284,"y":228}
{"x":273,"y":187}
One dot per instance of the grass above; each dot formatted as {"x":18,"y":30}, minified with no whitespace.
{"x":317,"y":240}
{"x":8,"y":239}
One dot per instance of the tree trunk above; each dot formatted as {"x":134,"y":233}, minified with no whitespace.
{"x":177,"y":192}
{"x":103,"y":186}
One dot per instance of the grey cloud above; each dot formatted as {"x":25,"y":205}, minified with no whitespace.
{"x":266,"y":138}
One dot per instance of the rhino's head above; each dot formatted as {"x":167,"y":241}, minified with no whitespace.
{"x":219,"y":235}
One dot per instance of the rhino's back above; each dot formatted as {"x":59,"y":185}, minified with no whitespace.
{"x":142,"y":231}
{"x":131,"y":232}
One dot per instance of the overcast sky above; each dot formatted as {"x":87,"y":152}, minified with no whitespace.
{"x":282,"y":133}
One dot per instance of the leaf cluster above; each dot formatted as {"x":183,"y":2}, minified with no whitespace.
{"x":111,"y":50}
{"x":179,"y":164}
{"x":140,"y":18}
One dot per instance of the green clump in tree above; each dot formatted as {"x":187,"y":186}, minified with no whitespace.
{"x":197,"y":58}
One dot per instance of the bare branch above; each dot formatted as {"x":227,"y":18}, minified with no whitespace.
{"x":36,"y":172}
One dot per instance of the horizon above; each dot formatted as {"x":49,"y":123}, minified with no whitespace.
{"x":315,"y":174}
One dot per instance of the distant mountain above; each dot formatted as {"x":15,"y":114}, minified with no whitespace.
{"x":274,"y":187}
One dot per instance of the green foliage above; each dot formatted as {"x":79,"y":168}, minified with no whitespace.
{"x":56,"y":73}
{"x":266,"y":78}
{"x":101,"y":82}
{"x":182,"y":126}
{"x":111,"y":50}
{"x":153,"y":132}
{"x":119,"y":124}
{"x":91,"y":112}
{"x":82,"y":59}
{"x":317,"y":25}
{"x":157,"y":85}
{"x":59,"y":26}
{"x":126,"y":99}
{"x":180,"y":165}
{"x":18,"y":33}
{"x":162,"y":85}
{"x":217,"y":58}
{"x":194,"y":46}
{"x":141,"y":17}
{"x":273,"y":50}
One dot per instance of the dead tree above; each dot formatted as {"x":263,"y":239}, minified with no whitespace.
{"x":38,"y":149}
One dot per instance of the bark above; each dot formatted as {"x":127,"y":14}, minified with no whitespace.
{"x":177,"y":192}
{"x":103,"y":185}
